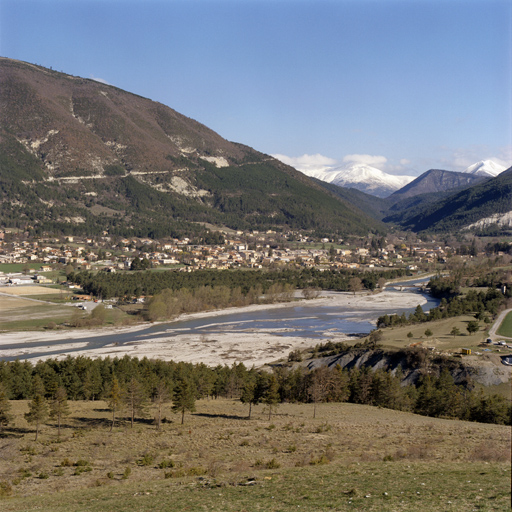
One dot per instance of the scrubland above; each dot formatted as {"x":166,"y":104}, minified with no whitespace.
{"x":349,"y":457}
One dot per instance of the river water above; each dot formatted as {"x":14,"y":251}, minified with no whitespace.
{"x":319,"y":322}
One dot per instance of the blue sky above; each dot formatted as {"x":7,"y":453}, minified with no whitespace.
{"x":406,"y":85}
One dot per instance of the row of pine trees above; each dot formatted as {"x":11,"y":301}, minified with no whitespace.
{"x":136,"y":388}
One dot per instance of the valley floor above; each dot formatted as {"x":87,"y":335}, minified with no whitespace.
{"x":252,"y":346}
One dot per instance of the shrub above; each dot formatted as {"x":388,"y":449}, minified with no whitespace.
{"x":5,"y":488}
{"x":166,"y":464}
{"x":146,"y":460}
{"x":272,"y":464}
{"x":28,"y":450}
{"x":322,"y":459}
{"x":488,"y":453}
{"x":127,"y":472}
{"x":24,"y":473}
{"x":196,"y":471}
{"x":66,"y":463}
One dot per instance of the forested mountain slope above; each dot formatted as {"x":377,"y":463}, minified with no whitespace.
{"x":461,"y":209}
{"x":80,"y":156}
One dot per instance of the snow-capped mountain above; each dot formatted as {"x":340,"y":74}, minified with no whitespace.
{"x":362,"y":177}
{"x":486,"y":168}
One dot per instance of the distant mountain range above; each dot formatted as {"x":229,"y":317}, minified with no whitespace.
{"x":362,"y":177}
{"x":378,"y":183}
{"x":79,"y":156}
{"x":486,"y":204}
{"x":442,"y":201}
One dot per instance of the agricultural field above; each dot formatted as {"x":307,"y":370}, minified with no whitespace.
{"x":505,"y":329}
{"x":441,"y":338}
{"x":7,"y":268}
{"x":34,"y":291}
{"x":350,"y":457}
{"x":18,"y":313}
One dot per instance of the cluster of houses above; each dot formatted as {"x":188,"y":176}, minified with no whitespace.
{"x":252,"y":250}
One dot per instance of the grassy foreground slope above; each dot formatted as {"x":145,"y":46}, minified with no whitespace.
{"x":350,"y":457}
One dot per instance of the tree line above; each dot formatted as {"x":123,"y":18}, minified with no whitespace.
{"x":131,"y":386}
{"x":136,"y":284}
{"x":452,"y":304}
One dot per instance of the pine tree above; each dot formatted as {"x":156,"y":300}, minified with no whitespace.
{"x":38,"y":412}
{"x":249,"y":395}
{"x":5,"y":407}
{"x":114,"y":399}
{"x":184,"y":399}
{"x":135,"y":399}
{"x":163,"y":395}
{"x":318,"y":384}
{"x":271,"y":396}
{"x":59,"y":407}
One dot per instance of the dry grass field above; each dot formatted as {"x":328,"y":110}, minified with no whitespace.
{"x":350,"y":457}
{"x":18,"y":313}
{"x":441,"y":339}
{"x":32,"y":290}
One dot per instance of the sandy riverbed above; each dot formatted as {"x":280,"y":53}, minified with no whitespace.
{"x":250,"y":346}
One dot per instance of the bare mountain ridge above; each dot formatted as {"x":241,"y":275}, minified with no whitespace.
{"x":75,"y":124}
{"x":77,"y":152}
{"x":436,"y":180}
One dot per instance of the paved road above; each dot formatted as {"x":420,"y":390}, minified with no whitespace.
{"x":496,"y":325}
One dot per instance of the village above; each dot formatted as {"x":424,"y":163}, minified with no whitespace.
{"x":239,"y":250}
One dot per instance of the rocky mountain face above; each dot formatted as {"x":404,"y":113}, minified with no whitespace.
{"x":79,"y":155}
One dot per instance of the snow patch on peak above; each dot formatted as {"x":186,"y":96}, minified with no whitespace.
{"x":485,"y":168}
{"x":362,"y":177}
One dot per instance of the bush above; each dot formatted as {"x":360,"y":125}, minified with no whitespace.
{"x":127,"y":472}
{"x":295,"y":355}
{"x":80,"y":463}
{"x":166,"y":464}
{"x":272,"y":464}
{"x":196,"y":471}
{"x":146,"y":460}
{"x":5,"y":488}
